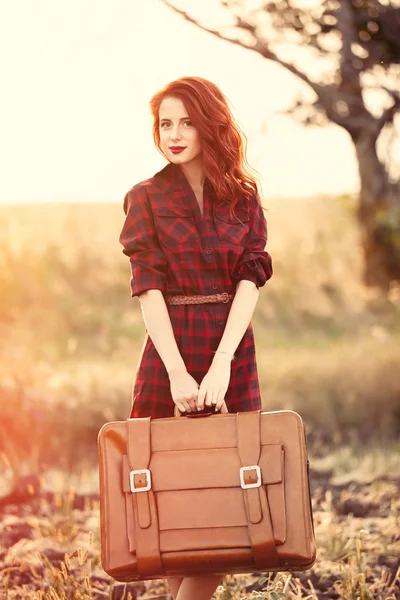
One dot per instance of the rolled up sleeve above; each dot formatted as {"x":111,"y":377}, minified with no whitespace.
{"x":255,"y":264}
{"x":140,"y":243}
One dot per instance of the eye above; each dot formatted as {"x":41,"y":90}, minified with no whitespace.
{"x":188,"y":123}
{"x":163,"y":125}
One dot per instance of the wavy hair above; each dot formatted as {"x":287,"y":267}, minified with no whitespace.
{"x":223,"y":142}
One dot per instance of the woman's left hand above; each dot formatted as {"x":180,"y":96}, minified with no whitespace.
{"x":214,"y":385}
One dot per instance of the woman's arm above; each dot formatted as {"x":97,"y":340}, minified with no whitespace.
{"x":159,"y":327}
{"x":240,"y":315}
{"x":252,"y":272}
{"x":215,"y":384}
{"x":149,"y":273}
{"x":184,"y":388}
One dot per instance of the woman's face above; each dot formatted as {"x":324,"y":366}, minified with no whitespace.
{"x":177,"y":131}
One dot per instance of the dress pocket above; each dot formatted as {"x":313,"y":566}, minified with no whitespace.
{"x":232,"y":228}
{"x":176,"y":227}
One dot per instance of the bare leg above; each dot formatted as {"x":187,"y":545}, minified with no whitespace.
{"x":199,"y":588}
{"x":174,"y":585}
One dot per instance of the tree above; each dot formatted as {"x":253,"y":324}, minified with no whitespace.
{"x":360,"y":40}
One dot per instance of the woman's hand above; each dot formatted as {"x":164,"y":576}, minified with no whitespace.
{"x":184,"y":390}
{"x":215,"y":384}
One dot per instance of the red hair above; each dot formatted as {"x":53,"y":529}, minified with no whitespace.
{"x":223,"y":142}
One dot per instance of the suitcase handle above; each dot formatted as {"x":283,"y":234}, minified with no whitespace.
{"x":201,"y":414}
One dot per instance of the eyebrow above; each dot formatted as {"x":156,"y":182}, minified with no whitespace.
{"x":182,"y":119}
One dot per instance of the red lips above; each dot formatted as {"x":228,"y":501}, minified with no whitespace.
{"x":176,"y":149}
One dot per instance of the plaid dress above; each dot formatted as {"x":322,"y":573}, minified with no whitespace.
{"x":173,"y":248}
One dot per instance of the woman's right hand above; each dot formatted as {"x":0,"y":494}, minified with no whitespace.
{"x":184,"y":391}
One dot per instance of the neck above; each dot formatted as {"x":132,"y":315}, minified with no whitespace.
{"x":194,"y":172}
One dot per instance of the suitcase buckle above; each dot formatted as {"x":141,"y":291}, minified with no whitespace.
{"x":147,"y":487}
{"x":245,"y":485}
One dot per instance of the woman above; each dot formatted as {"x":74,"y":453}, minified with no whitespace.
{"x":195,"y":234}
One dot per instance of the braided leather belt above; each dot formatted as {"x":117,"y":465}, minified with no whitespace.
{"x":224,"y":298}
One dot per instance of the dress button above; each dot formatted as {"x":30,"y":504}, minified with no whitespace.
{"x":208,"y":251}
{"x":220,"y":322}
{"x":215,"y":287}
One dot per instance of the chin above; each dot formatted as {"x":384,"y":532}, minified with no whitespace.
{"x":178,"y":159}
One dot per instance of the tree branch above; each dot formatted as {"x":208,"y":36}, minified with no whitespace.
{"x":350,"y":75}
{"x":330,"y":98}
{"x":259,"y":46}
{"x":388,"y":115}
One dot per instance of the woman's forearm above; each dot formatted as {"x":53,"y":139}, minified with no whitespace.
{"x":159,"y":327}
{"x":240,"y":315}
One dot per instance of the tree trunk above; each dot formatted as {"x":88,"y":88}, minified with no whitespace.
{"x":379,"y":217}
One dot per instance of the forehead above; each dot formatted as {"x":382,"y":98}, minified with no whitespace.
{"x":172,"y":108}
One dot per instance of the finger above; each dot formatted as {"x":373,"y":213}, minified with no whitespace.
{"x":192,"y":402}
{"x":201,"y":398}
{"x":212,"y":398}
{"x":180,"y":406}
{"x":220,"y":401}
{"x":186,"y":405}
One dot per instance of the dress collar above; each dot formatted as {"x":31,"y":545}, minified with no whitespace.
{"x":172,"y":178}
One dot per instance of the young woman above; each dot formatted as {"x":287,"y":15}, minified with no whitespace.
{"x":195,"y":234}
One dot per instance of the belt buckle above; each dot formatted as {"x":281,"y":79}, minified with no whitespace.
{"x":147,"y":487}
{"x":225,"y":298}
{"x":245,"y":485}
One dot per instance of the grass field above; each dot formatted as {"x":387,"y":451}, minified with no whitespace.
{"x":326,"y":347}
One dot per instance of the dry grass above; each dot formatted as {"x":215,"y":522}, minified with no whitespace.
{"x":50,"y":549}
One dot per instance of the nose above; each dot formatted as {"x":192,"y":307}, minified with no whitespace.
{"x":175,"y":133}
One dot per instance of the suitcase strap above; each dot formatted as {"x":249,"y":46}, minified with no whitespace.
{"x":248,"y":429}
{"x":143,"y":501}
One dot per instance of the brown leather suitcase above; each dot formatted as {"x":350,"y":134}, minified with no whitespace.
{"x":227,"y":493}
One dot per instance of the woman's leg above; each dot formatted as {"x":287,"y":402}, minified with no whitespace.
{"x":174,"y":585}
{"x":198,"y":588}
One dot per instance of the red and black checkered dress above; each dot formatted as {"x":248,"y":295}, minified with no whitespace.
{"x":173,"y":248}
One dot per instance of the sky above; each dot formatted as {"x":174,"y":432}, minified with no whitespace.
{"x":76,"y":80}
